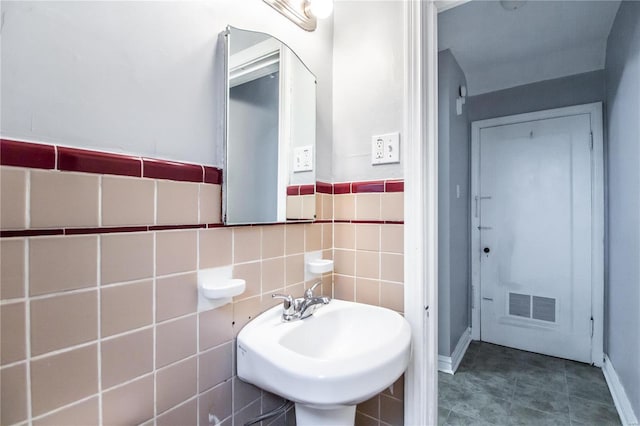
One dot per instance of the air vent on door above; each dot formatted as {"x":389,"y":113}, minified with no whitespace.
{"x":520,"y":305}
{"x":544,"y":308}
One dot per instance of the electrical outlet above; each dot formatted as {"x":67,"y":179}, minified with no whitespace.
{"x":385,"y":149}
{"x":303,"y":159}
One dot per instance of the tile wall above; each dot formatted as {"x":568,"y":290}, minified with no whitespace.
{"x":98,"y":296}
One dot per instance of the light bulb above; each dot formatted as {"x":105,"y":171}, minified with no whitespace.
{"x":319,"y":8}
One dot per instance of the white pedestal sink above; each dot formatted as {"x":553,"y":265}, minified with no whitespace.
{"x":342,"y":355}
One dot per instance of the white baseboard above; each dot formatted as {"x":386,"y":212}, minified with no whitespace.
{"x":449,"y":364}
{"x":623,"y":405}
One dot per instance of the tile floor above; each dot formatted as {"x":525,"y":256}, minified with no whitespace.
{"x":495,"y":385}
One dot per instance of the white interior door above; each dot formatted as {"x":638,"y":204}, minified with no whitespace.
{"x":534,"y":211}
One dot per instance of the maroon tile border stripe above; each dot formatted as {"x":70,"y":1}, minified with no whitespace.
{"x":293,"y":190}
{"x":307,"y":189}
{"x":373,"y":186}
{"x":357,"y":187}
{"x":80,"y":160}
{"x":324,"y":188}
{"x":43,"y":156}
{"x":160,"y":169}
{"x":25,"y":154}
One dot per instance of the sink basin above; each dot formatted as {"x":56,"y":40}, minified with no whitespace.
{"x":342,"y":355}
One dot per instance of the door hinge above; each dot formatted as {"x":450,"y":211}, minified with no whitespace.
{"x":591,"y":326}
{"x":591,"y":134}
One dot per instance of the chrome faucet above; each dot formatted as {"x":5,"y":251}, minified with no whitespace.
{"x":301,"y":307}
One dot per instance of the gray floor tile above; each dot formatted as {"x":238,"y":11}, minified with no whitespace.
{"x":496,"y":385}
{"x":457,"y":419}
{"x":552,"y":380}
{"x":443,"y":413}
{"x":590,"y":388}
{"x":541,"y":399}
{"x":591,"y":413}
{"x":524,"y":416}
{"x":486,"y":407}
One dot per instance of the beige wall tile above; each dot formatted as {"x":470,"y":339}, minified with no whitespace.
{"x":294,"y":239}
{"x":12,"y":333}
{"x":308,"y":206}
{"x":392,"y":296}
{"x":392,"y":239}
{"x":210,"y":204}
{"x":85,"y":413}
{"x":215,"y":366}
{"x":268,"y":301}
{"x":63,"y":199}
{"x":368,"y":237}
{"x":344,"y":206}
{"x":130,"y":404}
{"x":364,"y":420}
{"x":296,"y":290}
{"x":127,"y":201}
{"x":216,"y":327}
{"x":12,"y":268}
{"x":327,"y":235}
{"x":215,"y":401}
{"x":345,"y":235}
{"x":368,"y":264}
{"x":175,"y":252}
{"x":13,"y":198}
{"x":247,"y":242}
{"x":319,"y":212}
{"x":126,"y":257}
{"x":13,"y":394}
{"x":272,"y":241}
{"x":344,"y":262}
{"x":62,"y":321}
{"x":60,"y":379}
{"x":126,"y":307}
{"x":176,"y":296}
{"x":391,"y":411}
{"x":185,"y":414}
{"x":244,"y":311}
{"x":177,"y":202}
{"x":312,"y":237}
{"x":327,"y":206}
{"x":244,"y":415}
{"x":272,"y":274}
{"x":392,"y":268}
{"x":368,"y":291}
{"x":244,"y":394}
{"x":370,"y":407}
{"x":176,"y":383}
{"x":250,"y":272}
{"x":344,"y":287}
{"x":215,"y":247}
{"x":294,"y":207}
{"x":294,"y":269}
{"x":126,"y":357}
{"x":368,"y":206}
{"x":62,"y":263}
{"x":175,"y":340}
{"x":393,"y":206}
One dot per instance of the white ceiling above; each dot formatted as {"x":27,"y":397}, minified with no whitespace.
{"x":541,"y":40}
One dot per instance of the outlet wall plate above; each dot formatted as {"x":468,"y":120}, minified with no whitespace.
{"x":385,"y":149}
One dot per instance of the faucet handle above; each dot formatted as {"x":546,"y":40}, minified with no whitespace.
{"x":308,"y":294}
{"x":288,"y":300}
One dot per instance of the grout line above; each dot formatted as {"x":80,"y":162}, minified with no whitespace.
{"x":27,"y":313}
{"x":154,"y":315}
{"x":99,"y":318}
{"x":64,"y":407}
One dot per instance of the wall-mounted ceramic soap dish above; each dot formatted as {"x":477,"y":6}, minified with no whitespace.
{"x":320,"y":266}
{"x":216,"y":287}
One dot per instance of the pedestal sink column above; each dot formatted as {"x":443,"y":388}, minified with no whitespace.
{"x":340,"y":416}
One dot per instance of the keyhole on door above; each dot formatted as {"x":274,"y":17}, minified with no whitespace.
{"x":486,"y":250}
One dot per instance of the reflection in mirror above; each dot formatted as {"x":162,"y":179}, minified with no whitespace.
{"x":270,"y":135}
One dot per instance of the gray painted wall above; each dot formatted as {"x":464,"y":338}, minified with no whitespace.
{"x":623,"y":118}
{"x":560,"y":92}
{"x":453,"y":211}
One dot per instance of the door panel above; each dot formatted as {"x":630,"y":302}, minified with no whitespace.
{"x":535,"y":238}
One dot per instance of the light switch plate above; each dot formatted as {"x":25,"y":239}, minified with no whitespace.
{"x":303,"y":159}
{"x":385,"y":149}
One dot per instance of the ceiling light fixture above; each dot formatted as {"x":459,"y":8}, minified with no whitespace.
{"x":303,"y":13}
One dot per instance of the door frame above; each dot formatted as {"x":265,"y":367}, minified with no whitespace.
{"x":594,"y":110}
